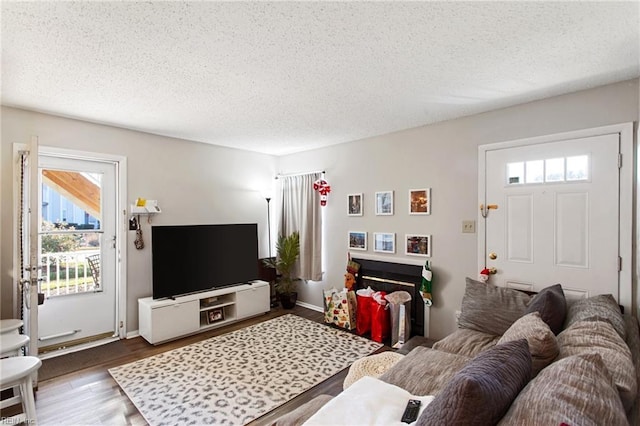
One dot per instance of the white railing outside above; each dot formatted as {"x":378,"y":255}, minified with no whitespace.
{"x":66,"y":273}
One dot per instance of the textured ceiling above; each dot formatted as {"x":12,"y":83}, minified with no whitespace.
{"x":291,"y":76}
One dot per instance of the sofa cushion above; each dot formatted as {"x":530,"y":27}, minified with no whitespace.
{"x":602,"y":307}
{"x":483,"y":390}
{"x":601,"y":338}
{"x":577,"y":390}
{"x":633,"y":341}
{"x":491,"y":309}
{"x":542,"y":342}
{"x":424,"y":371}
{"x":467,"y":342}
{"x":552,"y":306}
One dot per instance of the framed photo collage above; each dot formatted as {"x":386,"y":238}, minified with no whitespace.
{"x":418,"y":203}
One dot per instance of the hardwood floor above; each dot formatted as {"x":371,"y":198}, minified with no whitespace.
{"x":91,"y":397}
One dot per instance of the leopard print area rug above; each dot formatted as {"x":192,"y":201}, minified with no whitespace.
{"x":237,"y":377}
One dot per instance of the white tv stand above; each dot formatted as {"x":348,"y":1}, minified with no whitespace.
{"x":166,"y":319}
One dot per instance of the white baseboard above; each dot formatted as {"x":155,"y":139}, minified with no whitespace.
{"x":132,"y":334}
{"x":310,"y":306}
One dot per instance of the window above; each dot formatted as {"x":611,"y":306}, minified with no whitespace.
{"x":550,"y":170}
{"x":578,"y":167}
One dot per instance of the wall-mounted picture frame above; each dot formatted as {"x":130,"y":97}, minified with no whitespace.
{"x":357,"y":240}
{"x":420,"y":201}
{"x":417,"y":245}
{"x":384,"y":203}
{"x":355,"y":205}
{"x":215,"y":315}
{"x":384,"y":242}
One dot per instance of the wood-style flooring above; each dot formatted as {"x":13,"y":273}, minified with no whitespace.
{"x":91,"y":396}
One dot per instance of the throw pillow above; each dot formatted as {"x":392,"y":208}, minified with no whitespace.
{"x":372,"y":365}
{"x":601,"y":338}
{"x":542,"y":342}
{"x":424,"y":371}
{"x":466,"y":342}
{"x":491,"y":309}
{"x":602,"y":307}
{"x":481,"y":393}
{"x":552,"y":305}
{"x":576,"y":391}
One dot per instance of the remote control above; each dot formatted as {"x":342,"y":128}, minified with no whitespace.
{"x":411,"y":412}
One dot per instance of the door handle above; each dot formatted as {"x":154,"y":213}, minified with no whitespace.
{"x":484,"y":210}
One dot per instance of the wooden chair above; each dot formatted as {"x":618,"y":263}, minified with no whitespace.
{"x":94,"y":267}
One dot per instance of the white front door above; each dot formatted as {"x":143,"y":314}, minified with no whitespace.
{"x":77,"y":250}
{"x":555,"y":216}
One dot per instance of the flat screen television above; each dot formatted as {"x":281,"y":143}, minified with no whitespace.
{"x":193,"y":258}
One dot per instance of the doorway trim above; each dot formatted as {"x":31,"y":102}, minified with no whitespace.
{"x":625,"y":219}
{"x":120,"y":163}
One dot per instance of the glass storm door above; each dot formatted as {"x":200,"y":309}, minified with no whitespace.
{"x":77,"y":258}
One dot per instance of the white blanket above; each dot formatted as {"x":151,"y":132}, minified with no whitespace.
{"x":369,"y":401}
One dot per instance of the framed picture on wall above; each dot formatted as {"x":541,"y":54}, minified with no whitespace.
{"x":417,"y":245}
{"x":384,"y":203}
{"x":384,"y":242}
{"x":420,"y":201}
{"x":357,"y":240}
{"x":355,"y":205}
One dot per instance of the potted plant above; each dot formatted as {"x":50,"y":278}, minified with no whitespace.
{"x":287,"y":253}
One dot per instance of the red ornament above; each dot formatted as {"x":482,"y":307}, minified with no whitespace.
{"x":486,"y":273}
{"x":323,"y":187}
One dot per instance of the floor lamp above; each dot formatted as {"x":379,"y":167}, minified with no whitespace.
{"x":269,"y":222}
{"x":274,"y":299}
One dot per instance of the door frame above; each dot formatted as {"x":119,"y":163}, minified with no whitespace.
{"x":625,"y":219}
{"x":120,"y":163}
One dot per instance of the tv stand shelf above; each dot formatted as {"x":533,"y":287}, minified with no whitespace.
{"x":167,"y":319}
{"x":208,"y":308}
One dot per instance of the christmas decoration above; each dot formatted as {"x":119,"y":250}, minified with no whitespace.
{"x":323,"y":187}
{"x":485,"y":273}
{"x":352,"y":271}
{"x":425,"y":286}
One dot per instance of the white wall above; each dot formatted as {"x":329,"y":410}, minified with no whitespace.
{"x":444,"y":157}
{"x":194,"y":183}
{"x":198,"y":183}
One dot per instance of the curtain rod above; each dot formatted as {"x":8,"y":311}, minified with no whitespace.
{"x":279,"y":175}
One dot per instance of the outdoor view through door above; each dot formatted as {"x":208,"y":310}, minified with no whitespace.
{"x":77,"y":251}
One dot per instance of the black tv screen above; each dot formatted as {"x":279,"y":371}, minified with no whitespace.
{"x":192,"y":258}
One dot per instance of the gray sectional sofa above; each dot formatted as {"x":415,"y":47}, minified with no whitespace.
{"x":522,"y":359}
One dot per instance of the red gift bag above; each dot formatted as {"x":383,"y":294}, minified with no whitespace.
{"x":380,"y":317}
{"x":363,"y":314}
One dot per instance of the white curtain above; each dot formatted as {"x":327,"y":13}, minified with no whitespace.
{"x":300,"y":211}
